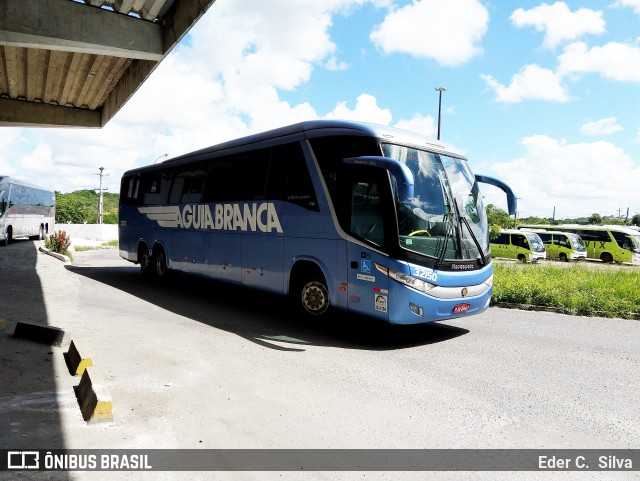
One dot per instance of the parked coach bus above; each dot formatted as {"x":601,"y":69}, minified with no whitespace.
{"x":564,"y":246}
{"x":607,"y":243}
{"x":520,"y":245}
{"x":25,"y":210}
{"x":364,"y":218}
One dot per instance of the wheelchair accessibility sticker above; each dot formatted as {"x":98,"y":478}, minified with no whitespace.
{"x":365,"y":266}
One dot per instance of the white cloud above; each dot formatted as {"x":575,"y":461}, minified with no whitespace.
{"x":447,"y":31}
{"x":559,"y":23}
{"x":633,"y":4}
{"x":615,"y":61}
{"x":606,"y":126}
{"x":366,"y":110}
{"x":578,"y":179}
{"x":425,"y":125}
{"x":222,"y":82}
{"x":532,"y":82}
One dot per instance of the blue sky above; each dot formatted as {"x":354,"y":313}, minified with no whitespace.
{"x":544,"y":96}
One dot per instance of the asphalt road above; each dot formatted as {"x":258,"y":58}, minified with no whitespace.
{"x":191,"y":363}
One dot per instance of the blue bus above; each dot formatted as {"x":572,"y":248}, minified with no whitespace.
{"x":359,"y":217}
{"x":26,"y":210}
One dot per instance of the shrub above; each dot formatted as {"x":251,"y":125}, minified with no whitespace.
{"x":58,"y":242}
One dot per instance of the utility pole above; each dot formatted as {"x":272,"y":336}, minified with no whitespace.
{"x":439,"y":90}
{"x":100,"y":196}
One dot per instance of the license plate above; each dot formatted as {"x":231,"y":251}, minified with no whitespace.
{"x":460,"y":308}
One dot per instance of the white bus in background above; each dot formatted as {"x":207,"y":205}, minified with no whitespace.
{"x":26,"y":210}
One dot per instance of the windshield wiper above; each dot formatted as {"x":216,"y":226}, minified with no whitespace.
{"x":475,"y":240}
{"x":447,"y":235}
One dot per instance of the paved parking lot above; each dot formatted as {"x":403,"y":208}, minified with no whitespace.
{"x":196,"y":364}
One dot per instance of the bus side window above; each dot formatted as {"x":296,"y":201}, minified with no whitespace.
{"x":226,"y":180}
{"x":129,"y":188}
{"x":192,"y":187}
{"x":501,"y":239}
{"x":546,"y":238}
{"x":289,"y":178}
{"x":366,"y":212}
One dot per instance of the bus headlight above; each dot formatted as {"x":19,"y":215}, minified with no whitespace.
{"x":406,"y":279}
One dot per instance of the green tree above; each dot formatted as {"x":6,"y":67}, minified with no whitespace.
{"x":595,"y":219}
{"x":70,"y":209}
{"x":499,"y":217}
{"x":635,"y":220}
{"x":81,"y":207}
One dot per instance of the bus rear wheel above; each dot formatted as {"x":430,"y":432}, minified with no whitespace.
{"x":159,"y":262}
{"x":606,"y":257}
{"x":145,"y":261}
{"x":8,"y":236}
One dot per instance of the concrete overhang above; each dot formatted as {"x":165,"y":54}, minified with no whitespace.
{"x":68,"y":63}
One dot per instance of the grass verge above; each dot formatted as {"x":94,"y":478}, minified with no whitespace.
{"x":573,"y":290}
{"x":104,"y":245}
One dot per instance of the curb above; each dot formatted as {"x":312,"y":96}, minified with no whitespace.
{"x":558,"y":310}
{"x":55,"y":254}
{"x":93,"y":397}
{"x":75,"y":362}
{"x":92,"y":393}
{"x":50,"y":335}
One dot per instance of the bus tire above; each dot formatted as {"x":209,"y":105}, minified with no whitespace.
{"x":159,"y":261}
{"x":606,"y":257}
{"x":563,"y":257}
{"x":144,"y":258}
{"x":310,"y":295}
{"x":40,"y":235}
{"x":8,"y":236}
{"x":314,"y":297}
{"x":522,"y":258}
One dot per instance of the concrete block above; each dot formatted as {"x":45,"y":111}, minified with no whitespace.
{"x":93,"y":397}
{"x":75,"y":361}
{"x":51,"y":335}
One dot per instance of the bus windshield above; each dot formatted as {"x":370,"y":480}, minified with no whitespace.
{"x":535,"y":242}
{"x":447,"y":219}
{"x":576,"y":242}
{"x":634,"y":243}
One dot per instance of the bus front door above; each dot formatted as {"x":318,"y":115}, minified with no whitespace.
{"x":368,"y":287}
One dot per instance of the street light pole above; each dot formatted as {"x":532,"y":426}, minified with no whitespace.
{"x":439,"y":90}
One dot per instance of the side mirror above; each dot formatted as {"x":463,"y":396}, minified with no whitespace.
{"x":400,"y":171}
{"x":512,"y":201}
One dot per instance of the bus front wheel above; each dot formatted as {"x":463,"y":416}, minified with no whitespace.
{"x":315,"y":298}
{"x":522,"y":258}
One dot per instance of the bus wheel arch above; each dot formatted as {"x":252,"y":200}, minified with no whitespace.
{"x":563,"y":257}
{"x":606,"y":257}
{"x":308,"y":289}
{"x":522,"y":258}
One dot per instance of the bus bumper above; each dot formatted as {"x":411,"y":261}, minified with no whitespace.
{"x":409,"y":306}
